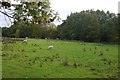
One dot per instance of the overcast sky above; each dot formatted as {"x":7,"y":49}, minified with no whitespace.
{"x":65,"y":7}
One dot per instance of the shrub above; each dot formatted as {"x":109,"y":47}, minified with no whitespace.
{"x":34,"y":50}
{"x":75,"y":65}
{"x":84,"y":49}
{"x":65,"y":62}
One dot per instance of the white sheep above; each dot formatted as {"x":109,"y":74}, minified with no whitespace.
{"x":57,"y":38}
{"x":50,"y":47}
{"x":45,"y":38}
{"x":25,"y":41}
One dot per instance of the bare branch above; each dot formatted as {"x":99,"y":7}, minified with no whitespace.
{"x":7,"y":14}
{"x":8,"y":17}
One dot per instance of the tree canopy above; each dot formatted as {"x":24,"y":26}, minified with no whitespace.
{"x":90,"y":25}
{"x":34,"y":19}
{"x":29,"y":12}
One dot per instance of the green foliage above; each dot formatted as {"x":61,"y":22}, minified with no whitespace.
{"x":30,"y":12}
{"x":89,"y":25}
{"x":5,"y":32}
{"x":118,"y":27}
{"x":17,"y":33}
{"x":31,"y":18}
{"x":34,"y":31}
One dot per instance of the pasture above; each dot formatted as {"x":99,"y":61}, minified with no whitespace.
{"x":67,"y":59}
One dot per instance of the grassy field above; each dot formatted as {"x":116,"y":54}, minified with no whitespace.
{"x":68,"y":59}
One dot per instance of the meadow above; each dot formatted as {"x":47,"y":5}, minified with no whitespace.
{"x":67,"y":59}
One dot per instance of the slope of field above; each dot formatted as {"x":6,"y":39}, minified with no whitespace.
{"x":67,"y":59}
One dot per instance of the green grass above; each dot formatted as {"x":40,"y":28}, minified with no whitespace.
{"x":31,"y":61}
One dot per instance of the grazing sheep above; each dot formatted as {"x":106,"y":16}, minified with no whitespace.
{"x":57,"y":38}
{"x":25,"y":41}
{"x":50,"y":47}
{"x":46,"y":38}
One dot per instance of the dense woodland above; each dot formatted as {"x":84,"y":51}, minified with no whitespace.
{"x":97,"y":26}
{"x":89,"y":25}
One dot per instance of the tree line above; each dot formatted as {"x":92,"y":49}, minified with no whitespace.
{"x":89,"y":25}
{"x":34,"y":31}
{"x":29,"y":19}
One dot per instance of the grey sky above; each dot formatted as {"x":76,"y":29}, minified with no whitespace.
{"x":65,"y":7}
